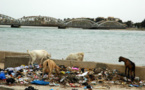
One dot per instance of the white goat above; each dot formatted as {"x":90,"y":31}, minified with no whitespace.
{"x":76,"y":56}
{"x":38,"y":55}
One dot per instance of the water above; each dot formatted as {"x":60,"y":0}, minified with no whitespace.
{"x":97,"y":45}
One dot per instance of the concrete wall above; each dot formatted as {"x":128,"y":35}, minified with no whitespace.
{"x":140,"y":70}
{"x":16,"y":60}
{"x":4,"y":54}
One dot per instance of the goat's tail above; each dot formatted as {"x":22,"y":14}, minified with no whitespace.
{"x":47,"y":64}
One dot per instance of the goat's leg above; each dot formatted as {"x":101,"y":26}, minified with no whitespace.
{"x":41,"y":61}
{"x":125,"y":71}
{"x":132,"y":76}
{"x":128,"y":73}
{"x":43,"y":71}
{"x":57,"y":71}
{"x":134,"y":73}
{"x":29,"y":62}
{"x":49,"y":75}
{"x":32,"y":62}
{"x":50,"y":70}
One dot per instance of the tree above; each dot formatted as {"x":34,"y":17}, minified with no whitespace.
{"x":99,"y":19}
{"x":129,"y":23}
{"x":92,"y":19}
{"x":120,"y":21}
{"x":143,"y":23}
{"x":138,"y":25}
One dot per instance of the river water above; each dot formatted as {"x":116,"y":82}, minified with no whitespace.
{"x":98,"y":45}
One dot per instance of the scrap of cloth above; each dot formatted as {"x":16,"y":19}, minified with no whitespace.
{"x":75,"y":68}
{"x":40,"y":82}
{"x":2,"y":76}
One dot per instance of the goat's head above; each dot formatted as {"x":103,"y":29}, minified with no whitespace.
{"x":121,"y":58}
{"x":48,"y":56}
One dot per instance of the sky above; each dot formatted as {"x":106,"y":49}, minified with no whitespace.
{"x":126,"y":10}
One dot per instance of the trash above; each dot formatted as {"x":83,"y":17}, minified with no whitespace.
{"x":84,"y":74}
{"x":82,"y":70}
{"x":105,"y":86}
{"x":62,"y":79}
{"x":115,"y":71}
{"x":100,"y":81}
{"x":30,"y":88}
{"x":117,"y":82}
{"x":26,"y":82}
{"x":85,"y":83}
{"x":93,"y":82}
{"x":75,"y":85}
{"x":17,"y":68}
{"x":74,"y":68}
{"x":72,"y":79}
{"x":124,"y":78}
{"x":40,"y":82}
{"x":68,"y":76}
{"x":141,"y":83}
{"x":133,"y":85}
{"x":111,"y":82}
{"x":100,"y":88}
{"x":51,"y":89}
{"x":62,"y":72}
{"x":89,"y":87}
{"x":74,"y":89}
{"x":53,"y":84}
{"x":10,"y":81}
{"x":2,"y":76}
{"x":123,"y":83}
{"x":45,"y":76}
{"x":67,"y":72}
{"x":137,"y":79}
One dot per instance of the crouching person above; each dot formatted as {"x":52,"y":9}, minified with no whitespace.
{"x":49,"y":66}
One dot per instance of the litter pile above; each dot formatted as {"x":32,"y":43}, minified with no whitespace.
{"x":68,"y":77}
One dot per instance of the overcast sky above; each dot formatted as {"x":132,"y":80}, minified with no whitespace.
{"x":133,"y":10}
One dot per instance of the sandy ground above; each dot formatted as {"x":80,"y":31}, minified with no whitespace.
{"x":95,"y":87}
{"x":2,"y":65}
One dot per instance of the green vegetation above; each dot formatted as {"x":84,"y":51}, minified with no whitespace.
{"x":140,"y":25}
{"x":143,"y":23}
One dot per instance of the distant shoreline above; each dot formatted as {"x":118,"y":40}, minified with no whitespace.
{"x":131,"y":29}
{"x":140,"y":29}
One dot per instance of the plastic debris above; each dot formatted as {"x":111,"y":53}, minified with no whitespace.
{"x":2,"y":76}
{"x":40,"y":82}
{"x":133,"y":85}
{"x":69,"y":76}
{"x":84,"y":74}
{"x":30,"y":88}
{"x":10,"y":81}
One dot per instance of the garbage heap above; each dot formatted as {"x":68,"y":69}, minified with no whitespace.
{"x":68,"y":77}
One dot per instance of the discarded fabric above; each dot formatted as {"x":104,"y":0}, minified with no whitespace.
{"x":40,"y":82}
{"x":2,"y":76}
